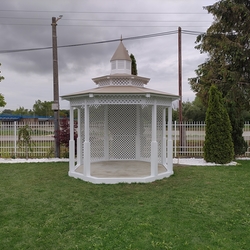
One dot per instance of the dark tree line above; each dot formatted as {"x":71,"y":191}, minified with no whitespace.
{"x":40,"y":108}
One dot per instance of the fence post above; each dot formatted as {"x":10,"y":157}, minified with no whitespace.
{"x":15,"y":142}
{"x":174,"y":139}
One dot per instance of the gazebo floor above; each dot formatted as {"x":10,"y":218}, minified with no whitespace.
{"x":121,"y":169}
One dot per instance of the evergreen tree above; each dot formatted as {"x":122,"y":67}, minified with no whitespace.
{"x":218,"y":145}
{"x":227,"y":43}
{"x":237,"y":122}
{"x":133,"y":65}
{"x":2,"y":101}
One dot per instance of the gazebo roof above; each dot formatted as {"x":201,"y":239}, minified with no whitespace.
{"x":121,"y":82}
{"x":100,"y":79}
{"x":121,"y":53}
{"x":120,"y":90}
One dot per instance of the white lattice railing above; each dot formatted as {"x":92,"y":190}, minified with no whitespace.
{"x":193,"y":135}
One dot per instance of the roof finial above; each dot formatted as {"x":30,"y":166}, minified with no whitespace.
{"x":121,"y":37}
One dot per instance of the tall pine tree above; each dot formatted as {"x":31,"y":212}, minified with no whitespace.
{"x":218,"y":146}
{"x":227,"y":43}
{"x":133,"y":65}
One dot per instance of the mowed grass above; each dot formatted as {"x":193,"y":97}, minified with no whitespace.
{"x":197,"y":208}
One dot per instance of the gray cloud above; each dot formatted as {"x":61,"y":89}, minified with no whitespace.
{"x":83,"y":22}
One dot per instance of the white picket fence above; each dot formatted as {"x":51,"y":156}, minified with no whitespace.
{"x":191,"y":145}
{"x":42,"y":140}
{"x":193,"y":137}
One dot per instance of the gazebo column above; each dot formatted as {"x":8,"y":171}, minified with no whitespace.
{"x":71,"y":141}
{"x":137,"y":135}
{"x":163,"y":153}
{"x":86,"y":168}
{"x":106,"y":134}
{"x":154,"y":144}
{"x":170,"y":141}
{"x":79,"y":138}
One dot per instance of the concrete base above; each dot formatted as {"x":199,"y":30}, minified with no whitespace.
{"x":111,"y":172}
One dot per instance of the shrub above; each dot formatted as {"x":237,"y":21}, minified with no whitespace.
{"x":24,"y":139}
{"x":64,"y":134}
{"x":218,"y":145}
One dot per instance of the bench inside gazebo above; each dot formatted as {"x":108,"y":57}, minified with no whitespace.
{"x":121,"y":128}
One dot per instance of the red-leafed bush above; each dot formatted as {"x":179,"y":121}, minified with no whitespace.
{"x":64,"y":134}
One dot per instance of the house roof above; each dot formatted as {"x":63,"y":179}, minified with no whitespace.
{"x":120,"y":90}
{"x":121,"y":53}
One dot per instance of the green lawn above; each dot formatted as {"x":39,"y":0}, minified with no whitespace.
{"x":197,"y":208}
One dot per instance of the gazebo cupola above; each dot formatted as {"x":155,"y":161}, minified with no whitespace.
{"x":120,"y":61}
{"x":121,"y":128}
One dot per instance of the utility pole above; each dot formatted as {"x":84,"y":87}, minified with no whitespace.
{"x":55,"y":105}
{"x":180,"y":87}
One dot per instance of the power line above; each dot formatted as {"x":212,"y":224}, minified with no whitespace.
{"x":190,"y":32}
{"x":108,"y":26}
{"x":91,"y":43}
{"x":105,"y":41}
{"x":107,"y":20}
{"x":105,"y":12}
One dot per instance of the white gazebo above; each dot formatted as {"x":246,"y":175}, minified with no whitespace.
{"x":121,"y":128}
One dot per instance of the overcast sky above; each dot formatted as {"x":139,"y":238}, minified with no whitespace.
{"x":26,"y":24}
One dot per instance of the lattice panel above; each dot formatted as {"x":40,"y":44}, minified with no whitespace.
{"x":125,"y":129}
{"x":137,"y":83}
{"x":96,"y":132}
{"x":159,"y":131}
{"x":122,"y":128}
{"x":120,"y":81}
{"x":103,"y":82}
{"x":82,"y":128}
{"x":120,"y":99}
{"x":145,"y":132}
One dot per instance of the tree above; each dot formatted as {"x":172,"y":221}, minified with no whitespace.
{"x":24,"y":139}
{"x":8,"y":111}
{"x":43,"y":108}
{"x":133,"y":65}
{"x":22,"y":111}
{"x":2,"y":101}
{"x":218,"y":145}
{"x":237,"y":122}
{"x":65,"y":113}
{"x":194,"y":111}
{"x":227,"y":42}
